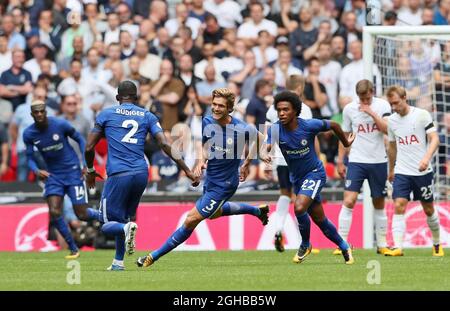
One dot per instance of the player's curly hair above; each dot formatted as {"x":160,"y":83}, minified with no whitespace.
{"x":227,"y":94}
{"x":291,"y":97}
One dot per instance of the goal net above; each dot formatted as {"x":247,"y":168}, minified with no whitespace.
{"x":418,"y":59}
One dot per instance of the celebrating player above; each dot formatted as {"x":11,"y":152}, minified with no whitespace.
{"x":50,"y":136}
{"x":225,"y":139}
{"x":296,"y":84}
{"x":367,"y":119}
{"x":295,"y":137}
{"x":409,"y":129}
{"x":125,"y":128}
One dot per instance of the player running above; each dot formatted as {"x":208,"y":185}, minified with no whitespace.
{"x":296,"y":84}
{"x":125,"y":128}
{"x":63,"y":176}
{"x":367,"y":119}
{"x":295,"y":137}
{"x":409,"y":130}
{"x":225,"y":140}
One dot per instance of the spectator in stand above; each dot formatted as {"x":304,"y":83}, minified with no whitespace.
{"x":441,"y":13}
{"x":5,"y":54}
{"x":126,"y":22}
{"x":147,"y":30}
{"x":248,"y":76}
{"x":197,"y":9}
{"x":390,"y":18}
{"x":49,"y":32}
{"x":40,"y":52}
{"x":168,"y":90}
{"x":112,"y":31}
{"x":315,"y":93}
{"x":158,"y":13}
{"x":209,"y":58}
{"x":148,"y":63}
{"x":78,"y":54}
{"x":15,"y":83}
{"x":250,"y":29}
{"x":206,"y":87}
{"x":228,"y":12}
{"x":257,"y":107}
{"x":348,"y":29}
{"x":185,"y":71}
{"x":264,"y":52}
{"x":286,"y":20}
{"x":354,"y":72}
{"x":411,"y":14}
{"x":160,"y":45}
{"x":4,"y":151}
{"x":127,"y":44}
{"x":211,"y":32}
{"x":284,"y":68}
{"x":15,"y":39}
{"x":182,"y":19}
{"x":304,"y":36}
{"x":338,"y":51}
{"x":427,"y":16}
{"x":330,"y":72}
{"x":189,"y":46}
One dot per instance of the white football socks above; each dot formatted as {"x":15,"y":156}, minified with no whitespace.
{"x":345,"y":221}
{"x":380,"y":227}
{"x":398,"y":230}
{"x":433,"y":224}
{"x":282,"y":211}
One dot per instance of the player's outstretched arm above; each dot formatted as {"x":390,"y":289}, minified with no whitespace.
{"x":392,"y":157}
{"x":176,"y":156}
{"x":89,"y":155}
{"x":346,"y":141}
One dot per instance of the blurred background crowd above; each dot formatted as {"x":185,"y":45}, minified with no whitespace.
{"x":73,"y":54}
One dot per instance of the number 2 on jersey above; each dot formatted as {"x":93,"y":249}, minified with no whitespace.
{"x":129,"y":137}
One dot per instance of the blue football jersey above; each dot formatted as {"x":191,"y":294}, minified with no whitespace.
{"x":297,"y":146}
{"x":226,"y":147}
{"x":54,"y":146}
{"x":125,"y":127}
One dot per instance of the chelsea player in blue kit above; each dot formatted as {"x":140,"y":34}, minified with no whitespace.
{"x":225,"y":139}
{"x":295,"y":137}
{"x":125,"y":128}
{"x":64,"y":175}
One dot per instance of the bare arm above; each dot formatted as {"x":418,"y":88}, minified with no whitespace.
{"x":433,"y":145}
{"x":6,"y":92}
{"x":175,"y":156}
{"x":171,"y":98}
{"x":392,"y":156}
{"x":336,"y":128}
{"x":319,"y":97}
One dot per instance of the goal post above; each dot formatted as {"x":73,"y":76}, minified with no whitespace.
{"x":392,"y":49}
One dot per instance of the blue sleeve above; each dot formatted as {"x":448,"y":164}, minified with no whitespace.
{"x":204,"y":137}
{"x":100,"y":122}
{"x":30,"y":153}
{"x":154,"y":126}
{"x":3,"y":79}
{"x":28,"y":76}
{"x":316,"y":125}
{"x":70,"y":131}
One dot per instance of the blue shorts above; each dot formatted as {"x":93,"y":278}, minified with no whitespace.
{"x":121,"y":196}
{"x":212,"y":200}
{"x":74,"y":186}
{"x":311,"y":184}
{"x":376,"y":175}
{"x":420,"y":186}
{"x":283,"y":177}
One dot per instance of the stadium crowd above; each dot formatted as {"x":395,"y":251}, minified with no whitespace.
{"x":74,"y":53}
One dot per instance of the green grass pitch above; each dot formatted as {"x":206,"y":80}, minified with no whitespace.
{"x":229,"y":270}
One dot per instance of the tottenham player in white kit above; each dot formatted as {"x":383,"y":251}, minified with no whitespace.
{"x":367,"y":119}
{"x":296,"y":84}
{"x":409,"y":130}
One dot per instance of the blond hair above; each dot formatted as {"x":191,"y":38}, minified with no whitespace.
{"x":227,"y":94}
{"x":396,"y":89}
{"x":295,"y":81}
{"x":363,"y":87}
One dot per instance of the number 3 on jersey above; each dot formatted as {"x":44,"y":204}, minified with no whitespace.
{"x":128,"y":138}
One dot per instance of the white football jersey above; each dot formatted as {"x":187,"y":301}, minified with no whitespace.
{"x":368,"y":146}
{"x":272,"y":117}
{"x":410,"y":133}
